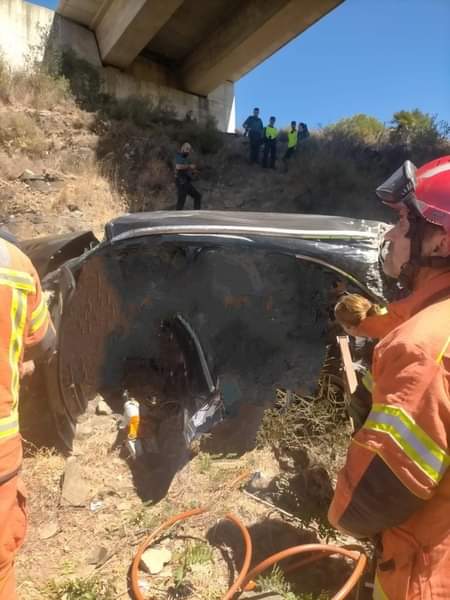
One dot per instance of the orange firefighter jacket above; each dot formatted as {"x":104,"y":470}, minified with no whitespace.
{"x":395,"y":484}
{"x":24,"y":321}
{"x":430,"y":283}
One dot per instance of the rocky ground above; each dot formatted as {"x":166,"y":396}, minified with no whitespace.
{"x":87,"y":519}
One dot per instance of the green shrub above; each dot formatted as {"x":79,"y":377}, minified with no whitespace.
{"x":80,"y":589}
{"x":83,"y":79}
{"x":206,"y":139}
{"x":141,"y":111}
{"x":359,"y":127}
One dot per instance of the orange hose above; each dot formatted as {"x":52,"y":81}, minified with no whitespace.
{"x":244,"y":578}
{"x":247,"y":558}
{"x":148,"y":541}
{"x":359,"y":558}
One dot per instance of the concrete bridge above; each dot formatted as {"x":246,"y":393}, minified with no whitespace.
{"x":190,"y":51}
{"x":202,"y":43}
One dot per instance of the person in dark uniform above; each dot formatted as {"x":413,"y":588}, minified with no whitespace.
{"x":184,"y":170}
{"x":253,"y":127}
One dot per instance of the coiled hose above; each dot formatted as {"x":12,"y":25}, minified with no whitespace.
{"x":244,"y":579}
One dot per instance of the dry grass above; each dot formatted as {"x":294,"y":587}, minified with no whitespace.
{"x":32,"y":87}
{"x":60,"y":563}
{"x":92,"y":194}
{"x":19,"y":132}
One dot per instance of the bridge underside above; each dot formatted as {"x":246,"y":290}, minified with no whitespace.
{"x":200,"y":45}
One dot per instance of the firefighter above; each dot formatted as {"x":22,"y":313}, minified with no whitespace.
{"x":292,"y":144}
{"x":184,"y":170}
{"x":270,"y":144}
{"x":395,"y":485}
{"x":253,"y":127}
{"x":25,"y":330}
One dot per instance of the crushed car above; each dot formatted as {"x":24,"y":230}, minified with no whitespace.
{"x":195,"y":314}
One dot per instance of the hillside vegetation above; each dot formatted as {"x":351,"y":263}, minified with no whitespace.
{"x":99,"y":156}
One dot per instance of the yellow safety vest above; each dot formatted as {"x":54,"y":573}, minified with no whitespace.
{"x":271,"y":132}
{"x":21,"y":284}
{"x":292,"y":139}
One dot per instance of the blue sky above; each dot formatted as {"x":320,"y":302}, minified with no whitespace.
{"x":369,"y":56}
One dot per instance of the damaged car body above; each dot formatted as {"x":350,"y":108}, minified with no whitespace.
{"x":196,"y":314}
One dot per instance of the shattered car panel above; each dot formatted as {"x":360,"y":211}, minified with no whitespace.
{"x":48,"y":253}
{"x":186,"y":307}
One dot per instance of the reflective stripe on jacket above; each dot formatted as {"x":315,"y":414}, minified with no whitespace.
{"x":292,"y":139}
{"x":23,"y":322}
{"x":396,"y":480}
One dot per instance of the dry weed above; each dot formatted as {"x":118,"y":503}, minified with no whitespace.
{"x":37,"y":89}
{"x":92,"y":194}
{"x":18,"y":131}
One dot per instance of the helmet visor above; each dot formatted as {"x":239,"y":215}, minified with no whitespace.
{"x":400,"y":186}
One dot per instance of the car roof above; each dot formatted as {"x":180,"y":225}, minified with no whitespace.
{"x":298,"y":226}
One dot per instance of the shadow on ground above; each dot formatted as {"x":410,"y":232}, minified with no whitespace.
{"x":270,"y":536}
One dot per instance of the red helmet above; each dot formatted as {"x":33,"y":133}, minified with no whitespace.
{"x":427,"y":190}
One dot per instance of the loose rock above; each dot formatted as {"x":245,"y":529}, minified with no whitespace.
{"x":154,"y":559}
{"x":103,"y":408}
{"x":48,"y":530}
{"x":98,"y":555}
{"x":76,"y":490}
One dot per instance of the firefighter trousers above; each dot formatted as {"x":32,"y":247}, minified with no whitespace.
{"x":13,"y":525}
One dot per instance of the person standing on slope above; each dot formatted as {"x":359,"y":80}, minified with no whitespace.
{"x":253,"y":127}
{"x":25,"y":327}
{"x":292,"y":145}
{"x":270,"y":144}
{"x":184,"y":170}
{"x":395,"y":484}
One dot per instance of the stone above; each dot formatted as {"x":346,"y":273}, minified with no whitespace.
{"x":48,"y":530}
{"x":75,"y":490}
{"x":103,"y":408}
{"x":154,"y":559}
{"x":97,"y":556}
{"x":27,"y":175}
{"x":260,"y":481}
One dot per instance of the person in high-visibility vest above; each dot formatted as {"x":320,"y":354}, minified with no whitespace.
{"x":25,"y":331}
{"x":270,"y":144}
{"x":395,"y":484}
{"x":292,"y":144}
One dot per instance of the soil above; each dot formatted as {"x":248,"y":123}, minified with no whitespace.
{"x":64,"y":540}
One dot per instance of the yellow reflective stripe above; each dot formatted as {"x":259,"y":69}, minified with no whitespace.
{"x":15,"y":284}
{"x":18,"y":321}
{"x":21,"y":278}
{"x":38,"y":316}
{"x":16,"y":273}
{"x":443,"y":351}
{"x":417,"y":445}
{"x":378,"y":592}
{"x":9,"y":426}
